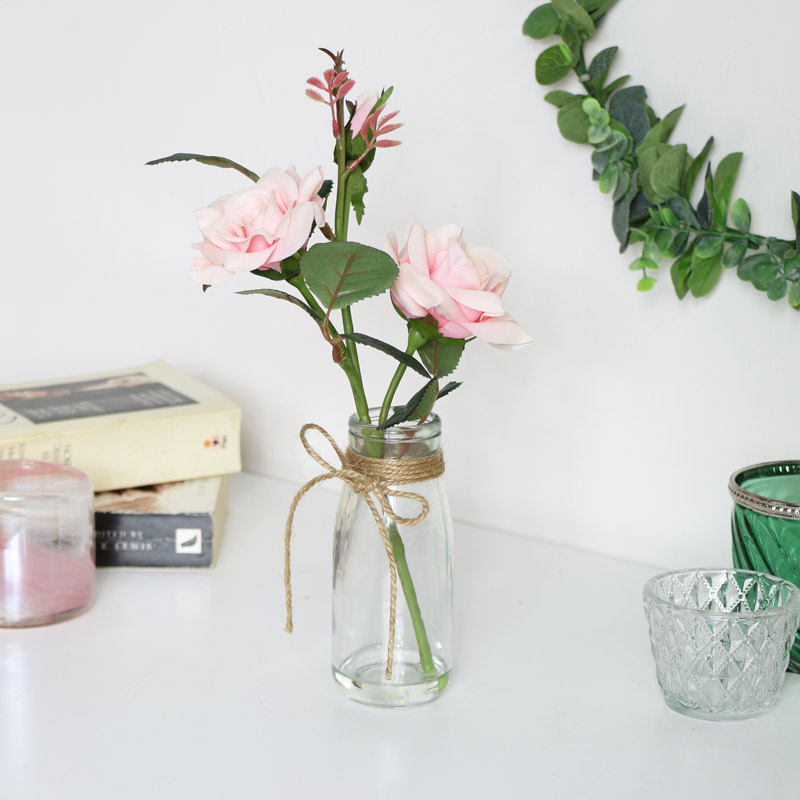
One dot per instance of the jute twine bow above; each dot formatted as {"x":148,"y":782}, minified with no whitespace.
{"x":371,"y":478}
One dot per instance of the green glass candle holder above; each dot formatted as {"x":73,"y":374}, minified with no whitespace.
{"x":765,"y":524}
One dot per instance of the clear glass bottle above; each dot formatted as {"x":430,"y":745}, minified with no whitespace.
{"x":422,"y":652}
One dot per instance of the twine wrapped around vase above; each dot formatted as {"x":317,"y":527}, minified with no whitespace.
{"x":372,"y":478}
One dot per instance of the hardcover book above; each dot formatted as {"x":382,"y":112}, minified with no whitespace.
{"x":169,"y":525}
{"x":132,"y":427}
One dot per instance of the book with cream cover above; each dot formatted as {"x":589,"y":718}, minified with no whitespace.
{"x":169,"y":525}
{"x":131,"y":427}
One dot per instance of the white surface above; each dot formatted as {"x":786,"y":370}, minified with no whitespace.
{"x":621,"y":394}
{"x":182,"y":684}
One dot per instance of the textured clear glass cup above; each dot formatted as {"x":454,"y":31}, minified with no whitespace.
{"x":422,"y":653}
{"x":46,"y":543}
{"x":720,"y":639}
{"x":765,"y":524}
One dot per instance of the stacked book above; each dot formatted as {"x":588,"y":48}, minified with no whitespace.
{"x":157,"y":445}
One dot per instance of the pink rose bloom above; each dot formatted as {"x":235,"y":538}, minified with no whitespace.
{"x":258,"y":227}
{"x":460,"y":286}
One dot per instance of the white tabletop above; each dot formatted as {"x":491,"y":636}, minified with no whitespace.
{"x":182,"y":684}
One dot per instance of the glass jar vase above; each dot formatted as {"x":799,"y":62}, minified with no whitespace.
{"x":392,"y":636}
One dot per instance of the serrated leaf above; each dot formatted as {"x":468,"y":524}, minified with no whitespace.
{"x":679,"y":272}
{"x":342,"y":273}
{"x":740,"y":215}
{"x":451,"y":387}
{"x":406,"y":412}
{"x":325,"y":189}
{"x":212,"y":161}
{"x":553,"y":64}
{"x":389,"y":350}
{"x":356,"y":189}
{"x":559,"y":98}
{"x":441,"y":355}
{"x":541,"y":22}
{"x":734,"y":254}
{"x":573,"y":122}
{"x":661,"y":131}
{"x":289,"y":298}
{"x":704,"y":275}
{"x":574,"y":14}
{"x":794,"y":294}
{"x":665,"y":177}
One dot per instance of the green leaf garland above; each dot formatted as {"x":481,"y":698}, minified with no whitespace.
{"x":650,"y":180}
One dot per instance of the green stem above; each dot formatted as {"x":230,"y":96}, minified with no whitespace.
{"x":415,"y":341}
{"x":404,"y":576}
{"x":753,"y":240}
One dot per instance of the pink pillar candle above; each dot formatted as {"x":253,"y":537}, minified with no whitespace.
{"x":46,"y":543}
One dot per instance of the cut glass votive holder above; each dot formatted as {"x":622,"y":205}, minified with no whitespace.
{"x":47,"y":563}
{"x":765,"y":524}
{"x":721,"y":639}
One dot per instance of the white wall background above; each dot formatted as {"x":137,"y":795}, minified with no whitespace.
{"x":615,"y":431}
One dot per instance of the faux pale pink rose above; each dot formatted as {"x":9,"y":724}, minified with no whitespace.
{"x":257,"y":227}
{"x":460,"y":286}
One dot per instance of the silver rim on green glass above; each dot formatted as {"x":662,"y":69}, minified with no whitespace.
{"x":765,"y":505}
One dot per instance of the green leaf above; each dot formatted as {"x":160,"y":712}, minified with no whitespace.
{"x":553,"y":64}
{"x":615,"y":84}
{"x":560,"y":98}
{"x":621,"y":216}
{"x":765,"y":274}
{"x":651,"y":250}
{"x":708,"y":245}
{"x":574,"y":14}
{"x":642,"y":264}
{"x":777,"y":289}
{"x":683,"y":211}
{"x":648,"y":157}
{"x":791,"y":268}
{"x":356,"y":189}
{"x":661,"y":132}
{"x":601,"y":63}
{"x":325,"y":189}
{"x":679,"y":272}
{"x":623,"y":184}
{"x":734,"y":254}
{"x":694,"y":166}
{"x":609,"y":178}
{"x":572,"y":40}
{"x":704,"y":275}
{"x":289,"y":298}
{"x":212,"y":161}
{"x":451,"y":387}
{"x":705,"y":208}
{"x":634,"y":119}
{"x":724,"y":178}
{"x":425,"y":327}
{"x":441,"y":355}
{"x":342,"y":273}
{"x":390,"y":350}
{"x":573,"y":122}
{"x":633,"y":95}
{"x":424,"y":398}
{"x":541,"y":22}
{"x":665,"y":177}
{"x":794,"y":294}
{"x":740,"y":215}
{"x":796,"y":217}
{"x":289,"y":268}
{"x":748,"y":268}
{"x":645,"y":284}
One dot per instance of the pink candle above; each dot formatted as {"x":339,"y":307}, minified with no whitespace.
{"x":46,"y":543}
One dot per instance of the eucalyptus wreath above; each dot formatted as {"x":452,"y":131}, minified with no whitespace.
{"x":651,"y":180}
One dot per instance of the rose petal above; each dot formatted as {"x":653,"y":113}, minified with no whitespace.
{"x":503,"y":332}
{"x":207,"y":273}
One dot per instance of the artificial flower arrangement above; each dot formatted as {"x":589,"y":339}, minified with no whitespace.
{"x":448,"y":292}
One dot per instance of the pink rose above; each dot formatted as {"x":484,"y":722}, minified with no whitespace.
{"x":460,"y":286}
{"x":257,"y":227}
